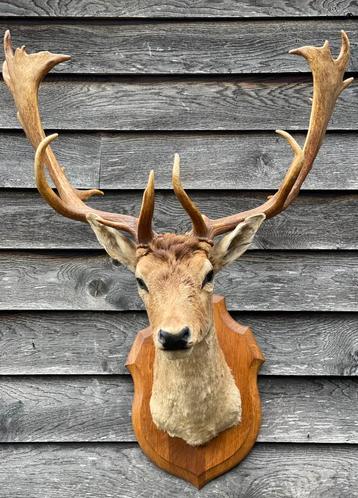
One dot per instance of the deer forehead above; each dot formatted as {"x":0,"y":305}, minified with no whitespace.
{"x":192,"y":266}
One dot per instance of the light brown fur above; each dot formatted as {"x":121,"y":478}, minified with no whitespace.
{"x":195,"y":397}
{"x":194,"y":394}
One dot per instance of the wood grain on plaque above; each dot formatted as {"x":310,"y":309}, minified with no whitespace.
{"x":200,"y":464}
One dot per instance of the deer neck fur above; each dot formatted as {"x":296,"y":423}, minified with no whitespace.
{"x":195,"y":397}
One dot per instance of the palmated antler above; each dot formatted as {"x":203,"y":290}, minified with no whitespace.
{"x":23,"y":74}
{"x":328,"y":83}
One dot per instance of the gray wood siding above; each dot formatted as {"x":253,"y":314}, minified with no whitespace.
{"x":182,"y":48}
{"x":212,"y":81}
{"x":309,"y":224}
{"x":112,"y":470}
{"x":94,"y":342}
{"x":262,"y":281}
{"x":164,"y":103}
{"x":80,"y":409}
{"x":219,"y":160}
{"x":177,"y":8}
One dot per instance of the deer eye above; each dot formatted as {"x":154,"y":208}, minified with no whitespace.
{"x":209,"y":277}
{"x":141,"y":284}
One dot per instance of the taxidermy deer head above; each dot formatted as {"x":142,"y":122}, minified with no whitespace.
{"x":194,"y":395}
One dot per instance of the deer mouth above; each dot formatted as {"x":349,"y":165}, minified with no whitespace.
{"x":177,"y":348}
{"x":176,"y":354}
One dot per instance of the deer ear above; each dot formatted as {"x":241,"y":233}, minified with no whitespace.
{"x":117,"y":245}
{"x":236,"y":242}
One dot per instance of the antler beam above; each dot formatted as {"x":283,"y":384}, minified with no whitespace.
{"x":328,"y":83}
{"x":23,"y":74}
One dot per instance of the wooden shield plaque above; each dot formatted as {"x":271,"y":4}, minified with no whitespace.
{"x":203,"y":463}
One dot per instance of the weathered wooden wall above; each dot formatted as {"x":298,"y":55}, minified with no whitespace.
{"x":211,"y":80}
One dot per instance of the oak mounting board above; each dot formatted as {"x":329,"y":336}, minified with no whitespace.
{"x":199,"y":465}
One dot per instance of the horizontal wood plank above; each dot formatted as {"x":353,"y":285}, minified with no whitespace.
{"x":220,"y":161}
{"x":182,"y":48}
{"x":315,"y":221}
{"x":177,"y":8}
{"x":113,"y":470}
{"x":241,"y":160}
{"x":98,"y":343}
{"x":79,"y":152}
{"x":35,"y":409}
{"x":262,"y":281}
{"x":180,"y":104}
{"x":97,"y":408}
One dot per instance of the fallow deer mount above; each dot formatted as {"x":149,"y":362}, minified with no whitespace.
{"x":192,"y":395}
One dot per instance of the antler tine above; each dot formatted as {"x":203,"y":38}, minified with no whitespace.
{"x":328,"y":83}
{"x":200,"y":228}
{"x":23,"y":74}
{"x":43,"y":187}
{"x":145,"y":232}
{"x":70,"y":205}
{"x":205,"y":228}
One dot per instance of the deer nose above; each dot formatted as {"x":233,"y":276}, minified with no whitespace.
{"x":172,"y":341}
